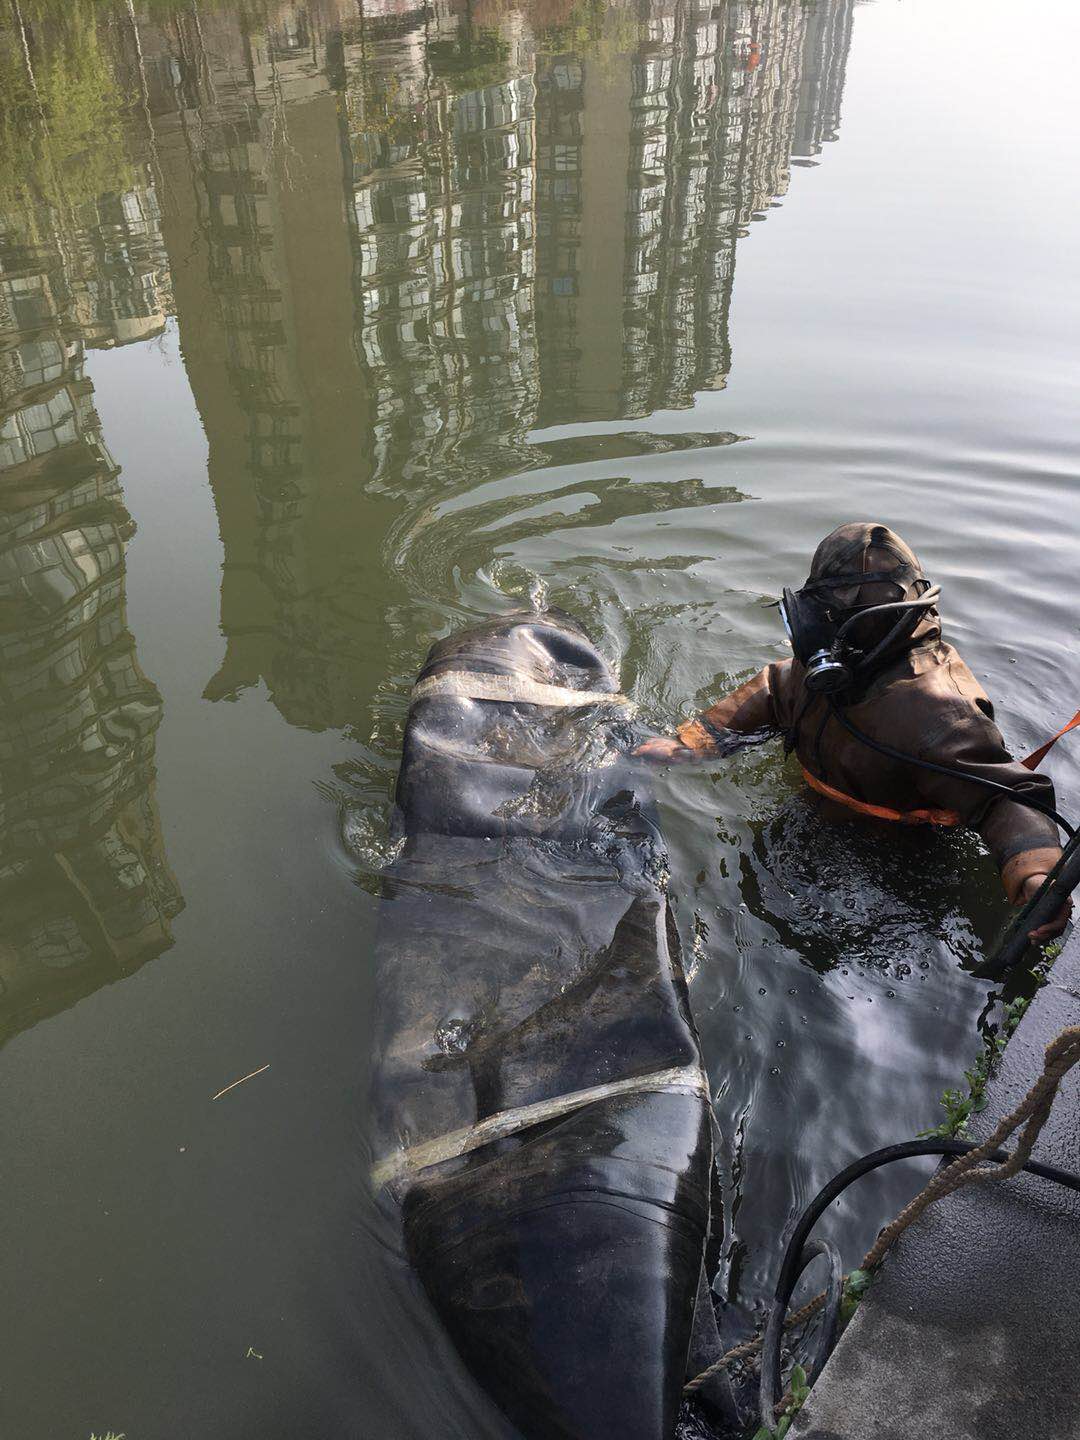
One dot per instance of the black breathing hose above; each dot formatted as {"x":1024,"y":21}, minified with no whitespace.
{"x":1017,"y":796}
{"x":926,"y":601}
{"x":912,"y":614}
{"x":796,"y":1256}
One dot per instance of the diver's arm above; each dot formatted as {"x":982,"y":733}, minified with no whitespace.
{"x":745,"y":710}
{"x":751,"y":707}
{"x":1031,"y":887}
{"x":1025,"y":846}
{"x":1023,"y":842}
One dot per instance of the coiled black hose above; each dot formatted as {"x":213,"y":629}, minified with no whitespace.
{"x":798,"y":1253}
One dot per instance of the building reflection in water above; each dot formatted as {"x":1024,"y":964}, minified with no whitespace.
{"x":397,"y":240}
{"x":477,"y":226}
{"x":247,"y":136}
{"x":86,"y":894}
{"x":557,"y":245}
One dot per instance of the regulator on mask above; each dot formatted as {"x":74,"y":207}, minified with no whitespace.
{"x":825,"y":635}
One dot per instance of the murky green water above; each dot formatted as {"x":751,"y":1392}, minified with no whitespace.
{"x":326,"y":327}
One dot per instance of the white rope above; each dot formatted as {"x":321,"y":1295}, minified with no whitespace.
{"x":473,"y":685}
{"x":688,"y":1079}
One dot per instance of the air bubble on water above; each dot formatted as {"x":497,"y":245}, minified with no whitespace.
{"x":775,"y":1070}
{"x":452,"y":1036}
{"x":365,"y":836}
{"x":538,"y":595}
{"x":763,"y":991}
{"x":698,"y":952}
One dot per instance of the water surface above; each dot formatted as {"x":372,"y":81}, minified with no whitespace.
{"x":326,"y":328}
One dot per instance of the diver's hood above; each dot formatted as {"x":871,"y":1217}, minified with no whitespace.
{"x":864,"y":564}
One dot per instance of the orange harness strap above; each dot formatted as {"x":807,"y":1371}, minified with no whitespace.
{"x":1035,"y":759}
{"x":882,"y":812}
{"x":926,"y":817}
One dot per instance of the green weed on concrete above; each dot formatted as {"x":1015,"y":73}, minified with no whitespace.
{"x":958,"y":1106}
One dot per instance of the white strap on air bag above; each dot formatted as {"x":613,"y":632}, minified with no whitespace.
{"x":687,"y":1079}
{"x":474,"y":685}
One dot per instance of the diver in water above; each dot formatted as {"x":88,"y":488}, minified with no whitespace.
{"x":874,"y":697}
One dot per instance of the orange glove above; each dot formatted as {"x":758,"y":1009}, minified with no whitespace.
{"x":665,"y":748}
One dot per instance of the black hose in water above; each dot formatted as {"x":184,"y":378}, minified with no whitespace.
{"x":795,"y":1260}
{"x":1041,"y":908}
{"x":834,"y":1294}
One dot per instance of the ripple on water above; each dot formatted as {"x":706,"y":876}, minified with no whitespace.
{"x":463,"y":313}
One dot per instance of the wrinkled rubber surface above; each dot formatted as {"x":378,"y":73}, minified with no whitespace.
{"x":566,"y":1270}
{"x":526,"y":950}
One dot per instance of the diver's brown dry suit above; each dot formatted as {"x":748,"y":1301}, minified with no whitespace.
{"x":923,"y":701}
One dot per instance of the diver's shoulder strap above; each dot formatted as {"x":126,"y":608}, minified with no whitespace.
{"x":925,"y":817}
{"x":1035,"y":759}
{"x":880,"y":812}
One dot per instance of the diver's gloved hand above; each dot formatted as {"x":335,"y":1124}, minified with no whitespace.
{"x":1053,"y":927}
{"x":664,"y":748}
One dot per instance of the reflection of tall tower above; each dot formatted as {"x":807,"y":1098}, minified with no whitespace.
{"x":400,"y":240}
{"x":824,"y":62}
{"x":639,"y":167}
{"x":758,"y":57}
{"x":86,"y":894}
{"x":248,"y":139}
{"x":682,"y":240}
{"x":443,"y":233}
{"x":560,"y":129}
